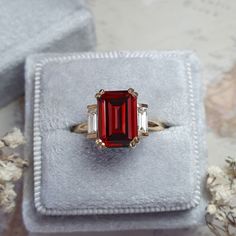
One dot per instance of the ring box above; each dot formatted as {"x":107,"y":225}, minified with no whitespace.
{"x":74,"y":187}
{"x":37,"y":26}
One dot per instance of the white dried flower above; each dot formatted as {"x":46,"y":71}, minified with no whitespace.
{"x":7,"y":197}
{"x":14,"y":158}
{"x":9,"y":171}
{"x":211,"y":209}
{"x":222,"y":194}
{"x":221,"y":213}
{"x":11,"y":168}
{"x":14,"y":138}
{"x":221,"y":216}
{"x":215,"y":171}
{"x":216,"y":176}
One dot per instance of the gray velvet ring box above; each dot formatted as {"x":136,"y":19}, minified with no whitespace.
{"x":75,"y":187}
{"x":31,"y":26}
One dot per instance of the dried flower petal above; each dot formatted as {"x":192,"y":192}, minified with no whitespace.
{"x":216,"y":177}
{"x":11,"y":168}
{"x":9,"y":171}
{"x":221,"y":215}
{"x":14,"y":158}
{"x":223,"y":194}
{"x":211,"y":209}
{"x":215,"y":171}
{"x":14,"y":138}
{"x":7,"y":197}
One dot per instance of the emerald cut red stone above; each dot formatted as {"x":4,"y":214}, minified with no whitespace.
{"x":117,"y":118}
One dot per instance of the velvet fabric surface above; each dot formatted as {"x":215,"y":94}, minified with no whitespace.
{"x":79,"y":188}
{"x":36,"y":26}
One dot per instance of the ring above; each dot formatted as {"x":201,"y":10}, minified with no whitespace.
{"x":117,"y":120}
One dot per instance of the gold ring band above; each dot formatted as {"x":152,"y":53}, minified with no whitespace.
{"x":82,"y":128}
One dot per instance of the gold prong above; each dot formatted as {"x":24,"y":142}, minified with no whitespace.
{"x":141,"y":133}
{"x":100,"y":144}
{"x":136,"y":139}
{"x":92,"y":136}
{"x":92,"y":107}
{"x":98,"y":141}
{"x":132,"y":145}
{"x":142,"y":105}
{"x":132,"y":92}
{"x":100,"y":93}
{"x":103,"y":145}
{"x":134,"y":142}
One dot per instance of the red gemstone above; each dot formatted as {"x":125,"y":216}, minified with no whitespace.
{"x":117,"y":118}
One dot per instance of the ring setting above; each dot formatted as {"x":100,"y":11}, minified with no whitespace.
{"x":117,"y":120}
